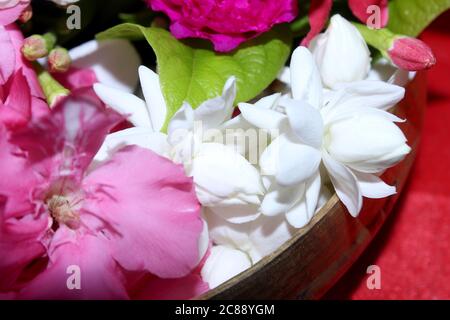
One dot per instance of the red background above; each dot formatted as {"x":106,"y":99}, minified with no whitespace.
{"x":413,"y":247}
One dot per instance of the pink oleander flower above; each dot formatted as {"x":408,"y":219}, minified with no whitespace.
{"x":134,"y":214}
{"x":225,"y":23}
{"x":320,"y":11}
{"x":11,"y":10}
{"x":21,"y":96}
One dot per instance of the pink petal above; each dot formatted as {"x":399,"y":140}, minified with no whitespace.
{"x":17,"y":179}
{"x":152,"y":210}
{"x":100,"y":276}
{"x":318,"y":16}
{"x":39,"y":109}
{"x":21,"y":63}
{"x":10,"y":15}
{"x":359,"y":9}
{"x":154,"y":288}
{"x":19,"y":245}
{"x":7,"y":62}
{"x":16,"y":111}
{"x":77,"y":78}
{"x":70,"y":136}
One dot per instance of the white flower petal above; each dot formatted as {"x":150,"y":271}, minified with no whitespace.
{"x":222,"y":264}
{"x":285,"y":75}
{"x":344,"y":112}
{"x":216,"y":111}
{"x":102,"y":57}
{"x":140,"y":136}
{"x":305,"y":78}
{"x":279,"y":199}
{"x":302,"y":213}
{"x":126,"y":104}
{"x":305,"y":121}
{"x":373,"y":187}
{"x":373,"y":94}
{"x":237,"y":213}
{"x":258,"y":238}
{"x":261,"y":117}
{"x":290,"y":161}
{"x":154,"y":98}
{"x":203,"y":241}
{"x":181,"y":123}
{"x":341,"y":53}
{"x":345,"y":184}
{"x":267,"y":235}
{"x":367,"y":143}
{"x":224,"y":173}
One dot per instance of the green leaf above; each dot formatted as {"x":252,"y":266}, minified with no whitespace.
{"x":196,"y":73}
{"x":411,"y":17}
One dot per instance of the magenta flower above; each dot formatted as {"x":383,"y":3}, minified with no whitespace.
{"x":136,"y":213}
{"x":225,"y":23}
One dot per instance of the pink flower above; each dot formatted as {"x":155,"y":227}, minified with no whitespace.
{"x":20,"y":92}
{"x":225,"y":23}
{"x":135,"y":213}
{"x":11,"y":10}
{"x":320,"y":11}
{"x":11,"y":41}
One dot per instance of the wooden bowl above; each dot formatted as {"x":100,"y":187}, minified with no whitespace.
{"x":316,"y":257}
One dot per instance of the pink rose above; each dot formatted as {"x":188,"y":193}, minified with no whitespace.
{"x":226,"y":23}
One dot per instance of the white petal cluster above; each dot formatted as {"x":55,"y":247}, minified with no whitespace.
{"x":341,"y":53}
{"x":331,"y":129}
{"x":223,"y":178}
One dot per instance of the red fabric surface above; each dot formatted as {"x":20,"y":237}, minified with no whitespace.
{"x":413,"y":247}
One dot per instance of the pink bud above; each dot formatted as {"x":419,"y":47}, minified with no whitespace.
{"x":34,"y":47}
{"x":59,"y":60}
{"x":411,"y":54}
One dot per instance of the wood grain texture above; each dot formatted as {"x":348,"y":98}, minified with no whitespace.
{"x":311,"y":262}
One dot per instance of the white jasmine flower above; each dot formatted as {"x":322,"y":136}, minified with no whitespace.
{"x":347,"y":130}
{"x":222,"y":264}
{"x":341,"y":53}
{"x":257,"y":238}
{"x":224,"y":179}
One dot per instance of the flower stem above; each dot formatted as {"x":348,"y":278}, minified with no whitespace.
{"x":53,"y":90}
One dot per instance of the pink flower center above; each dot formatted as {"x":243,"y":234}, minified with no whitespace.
{"x":63,"y":211}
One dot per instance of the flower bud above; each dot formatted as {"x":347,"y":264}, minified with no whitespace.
{"x":37,"y":46}
{"x":34,"y":47}
{"x":367,"y":143}
{"x":59,"y":60}
{"x":411,"y":54}
{"x":341,"y":53}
